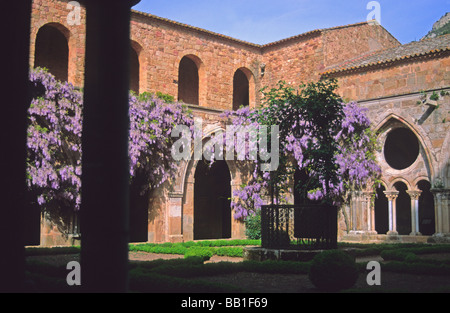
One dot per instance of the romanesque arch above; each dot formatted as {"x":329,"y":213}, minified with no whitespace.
{"x":403,"y":208}
{"x":426,"y":212}
{"x":52,"y":50}
{"x":191,"y":80}
{"x":381,"y":207}
{"x":243,"y":88}
{"x":135,"y":67}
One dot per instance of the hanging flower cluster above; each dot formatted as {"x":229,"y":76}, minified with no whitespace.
{"x":54,"y":140}
{"x":330,"y":141}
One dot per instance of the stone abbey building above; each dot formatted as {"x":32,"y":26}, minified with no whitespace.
{"x":403,"y":86}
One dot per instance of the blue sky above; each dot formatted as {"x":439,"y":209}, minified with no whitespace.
{"x":264,"y":21}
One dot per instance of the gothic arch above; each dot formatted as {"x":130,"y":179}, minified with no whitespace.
{"x":188,"y":167}
{"x":445,"y":162}
{"x":186,"y":189}
{"x":191,"y":165}
{"x":408,"y":122}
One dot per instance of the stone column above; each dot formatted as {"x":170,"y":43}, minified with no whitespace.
{"x":105,"y":165}
{"x":354,"y":207}
{"x":414,"y":194}
{"x":392,"y":196}
{"x":175,"y":217}
{"x":188,"y":211}
{"x":15,"y":31}
{"x":370,"y":212}
{"x":442,"y":214}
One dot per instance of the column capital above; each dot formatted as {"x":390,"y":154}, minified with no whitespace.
{"x":391,"y":195}
{"x":414,"y":194}
{"x":367,"y":195}
{"x":176,"y":195}
{"x":440,"y":192}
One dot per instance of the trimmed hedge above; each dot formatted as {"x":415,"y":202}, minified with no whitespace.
{"x":333,"y":270}
{"x":230,"y":248}
{"x":186,"y":270}
{"x":203,"y":252}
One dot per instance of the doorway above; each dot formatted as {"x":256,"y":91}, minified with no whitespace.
{"x":212,"y":204}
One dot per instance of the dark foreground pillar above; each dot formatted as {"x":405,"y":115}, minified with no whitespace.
{"x":15,"y":34}
{"x":105,"y":176}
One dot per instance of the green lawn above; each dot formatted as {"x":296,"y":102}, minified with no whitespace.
{"x":184,"y":275}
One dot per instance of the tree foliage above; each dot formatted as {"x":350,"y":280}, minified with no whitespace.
{"x":319,"y":135}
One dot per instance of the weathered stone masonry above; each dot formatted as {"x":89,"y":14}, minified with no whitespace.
{"x":372,"y":67}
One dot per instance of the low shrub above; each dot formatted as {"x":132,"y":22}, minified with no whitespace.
{"x":204,"y":252}
{"x":253,"y":226}
{"x":417,"y":268}
{"x":398,"y":255}
{"x":230,"y":251}
{"x":333,"y":271}
{"x":165,"y":248}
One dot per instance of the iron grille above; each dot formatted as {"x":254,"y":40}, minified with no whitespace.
{"x":299,"y":227}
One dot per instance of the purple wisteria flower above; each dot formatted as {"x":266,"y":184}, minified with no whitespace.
{"x":54,"y":141}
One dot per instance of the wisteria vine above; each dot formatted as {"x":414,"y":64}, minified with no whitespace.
{"x":353,"y":144}
{"x":54,"y":141}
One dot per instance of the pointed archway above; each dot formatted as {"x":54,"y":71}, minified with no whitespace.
{"x":212,"y":193}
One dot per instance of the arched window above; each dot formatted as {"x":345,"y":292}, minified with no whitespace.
{"x":188,"y":81}
{"x":401,"y":149}
{"x":381,"y":211}
{"x":52,"y":51}
{"x":426,"y":209}
{"x":134,"y":70}
{"x":403,"y":204}
{"x":241,"y":90}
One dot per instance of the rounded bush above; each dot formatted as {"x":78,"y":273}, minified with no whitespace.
{"x":333,"y":271}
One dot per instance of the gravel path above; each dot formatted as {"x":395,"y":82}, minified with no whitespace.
{"x":283,"y":283}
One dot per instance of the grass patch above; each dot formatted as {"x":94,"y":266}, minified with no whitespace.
{"x":208,"y":248}
{"x":185,"y":274}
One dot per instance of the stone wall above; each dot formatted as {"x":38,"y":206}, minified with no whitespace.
{"x":397,"y":95}
{"x":390,"y":91}
{"x":346,"y":42}
{"x":165,"y":43}
{"x":403,"y":77}
{"x":55,"y":13}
